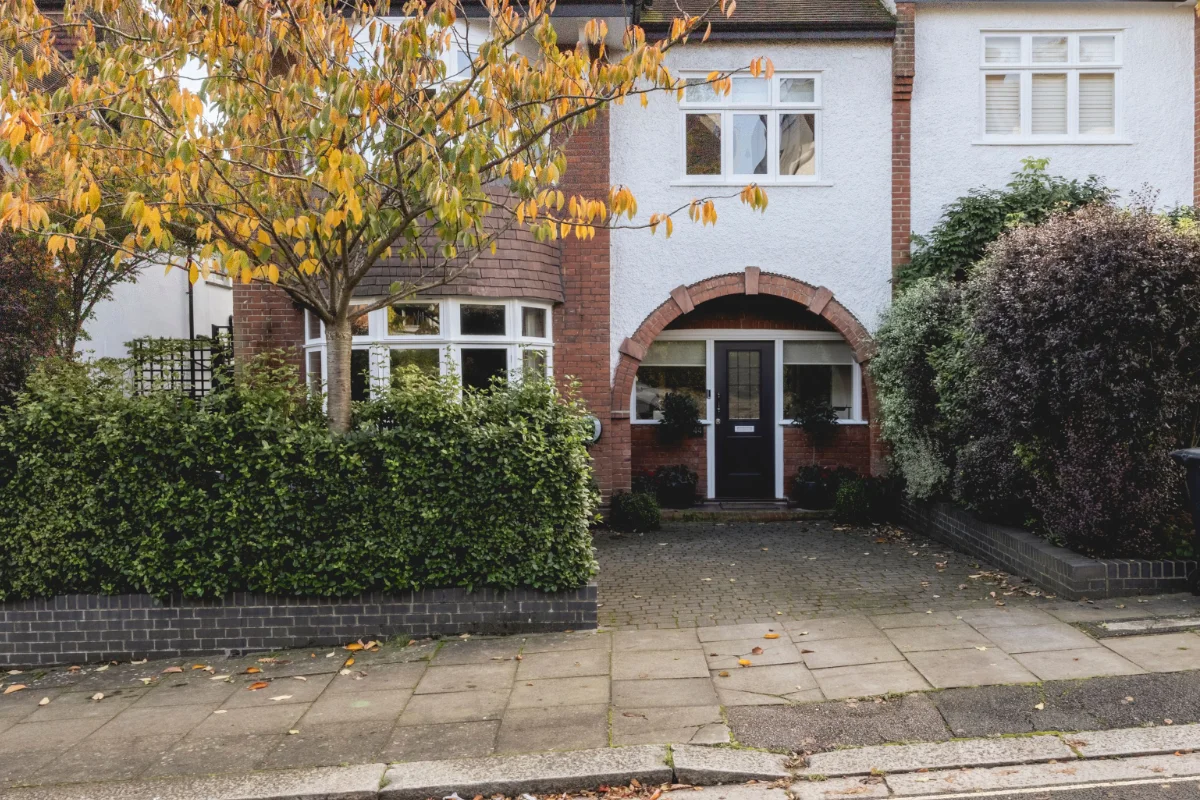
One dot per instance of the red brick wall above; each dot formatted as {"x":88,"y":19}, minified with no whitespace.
{"x":753,"y":312}
{"x":264,"y":318}
{"x":649,"y":454}
{"x":903,"y":73}
{"x":581,"y":323}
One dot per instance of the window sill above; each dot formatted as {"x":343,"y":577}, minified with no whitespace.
{"x":659,"y":422}
{"x":1034,"y":140}
{"x":765,"y":184}
{"x":787,"y":423}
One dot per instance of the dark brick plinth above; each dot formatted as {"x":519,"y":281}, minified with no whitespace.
{"x":82,"y":628}
{"x":1056,"y":569}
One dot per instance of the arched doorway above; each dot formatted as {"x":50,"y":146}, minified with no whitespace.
{"x":748,"y":347}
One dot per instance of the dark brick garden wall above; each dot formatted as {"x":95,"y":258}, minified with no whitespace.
{"x":84,"y":628}
{"x":1056,"y":569}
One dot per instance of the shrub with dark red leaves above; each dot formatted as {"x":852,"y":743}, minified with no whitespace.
{"x":29,"y":310}
{"x":1084,"y":342}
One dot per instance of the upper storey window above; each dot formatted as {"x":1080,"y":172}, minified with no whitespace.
{"x":763,"y":131}
{"x":1051,"y":86}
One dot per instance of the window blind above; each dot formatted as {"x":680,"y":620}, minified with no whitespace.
{"x":1097,"y":103}
{"x":1002,"y":50}
{"x":1049,"y":104}
{"x":1003,"y":99}
{"x":675,"y":354}
{"x":817,"y":353}
{"x":1049,"y":49}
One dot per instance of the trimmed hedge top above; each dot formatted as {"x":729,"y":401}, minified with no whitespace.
{"x":247,"y":490}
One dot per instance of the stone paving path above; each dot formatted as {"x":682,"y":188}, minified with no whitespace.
{"x":697,"y":574}
{"x":473,"y":697}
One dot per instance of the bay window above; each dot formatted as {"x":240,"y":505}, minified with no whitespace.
{"x":1051,"y":86}
{"x":763,"y":130}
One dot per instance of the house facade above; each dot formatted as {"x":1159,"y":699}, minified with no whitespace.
{"x":877,"y":116}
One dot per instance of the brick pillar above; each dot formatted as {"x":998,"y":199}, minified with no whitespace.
{"x":903,"y":71}
{"x":581,"y":323}
{"x":264,"y":318}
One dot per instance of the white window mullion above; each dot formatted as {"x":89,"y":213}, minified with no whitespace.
{"x":1073,"y":102}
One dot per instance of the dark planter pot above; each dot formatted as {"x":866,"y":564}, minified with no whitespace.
{"x":680,"y":496}
{"x":813,"y":495}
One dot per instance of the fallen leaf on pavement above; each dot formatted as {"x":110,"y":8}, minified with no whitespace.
{"x":723,"y":674}
{"x":199,"y":666}
{"x":353,"y":647}
{"x":219,"y":678}
{"x":45,"y":701}
{"x":772,"y":635}
{"x":744,"y":662}
{"x":253,"y":671}
{"x":16,"y":687}
{"x":1039,"y":707}
{"x":802,"y":652}
{"x":143,"y":661}
{"x":980,"y":647}
{"x":299,"y":678}
{"x":254,"y":687}
{"x":281,"y":697}
{"x":758,"y":651}
{"x":146,"y":681}
{"x":98,"y":696}
{"x":349,"y":662}
{"x":101,"y":669}
{"x":293,"y":732}
{"x":169,"y":670}
{"x":14,"y":672}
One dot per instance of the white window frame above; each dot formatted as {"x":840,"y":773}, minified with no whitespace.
{"x":773,"y":108}
{"x":1072,"y":68}
{"x":449,"y":341}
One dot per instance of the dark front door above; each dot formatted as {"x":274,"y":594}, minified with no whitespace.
{"x":745,"y":418}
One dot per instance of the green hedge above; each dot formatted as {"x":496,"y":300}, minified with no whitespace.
{"x":247,"y":490}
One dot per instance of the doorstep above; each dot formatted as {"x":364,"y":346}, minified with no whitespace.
{"x":742,"y":511}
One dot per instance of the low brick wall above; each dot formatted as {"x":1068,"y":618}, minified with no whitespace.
{"x":84,"y":628}
{"x":1055,"y":569}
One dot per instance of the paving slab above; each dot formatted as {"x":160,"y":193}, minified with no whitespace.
{"x":818,"y":727}
{"x":1014,"y":639}
{"x":1042,"y":775}
{"x":546,"y":772}
{"x":567,"y":641}
{"x":477,"y":651}
{"x":668,"y":725}
{"x":914,"y":619}
{"x":556,"y":692}
{"x":651,"y":693}
{"x":956,"y":636}
{"x":1166,"y":652}
{"x":660,"y":664}
{"x":940,"y":755}
{"x":869,"y":680}
{"x":80,"y":705}
{"x":1100,"y":611}
{"x":781,"y":681}
{"x":194,"y":755}
{"x":840,"y":789}
{"x":432,"y":709}
{"x":328,"y":745}
{"x":1092,"y":662}
{"x":166,"y":720}
{"x":990,"y":710}
{"x":1003,"y":617}
{"x":655,"y":640}
{"x":569,"y":664}
{"x":531,"y":730}
{"x":194,"y":691}
{"x":875,"y":649}
{"x":950,"y":668}
{"x":1106,"y":702}
{"x":383,"y":676}
{"x":106,"y":759}
{"x":756,"y":630}
{"x":435,"y":742}
{"x":467,"y":678}
{"x":727,"y":654}
{"x":289,"y":689}
{"x":709,"y":765}
{"x":240,"y":721}
{"x":1136,"y":741}
{"x":816,"y":630}
{"x":360,"y":782}
{"x":54,"y":736}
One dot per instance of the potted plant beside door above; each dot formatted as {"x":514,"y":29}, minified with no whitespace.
{"x":817,"y":418}
{"x":680,"y":419}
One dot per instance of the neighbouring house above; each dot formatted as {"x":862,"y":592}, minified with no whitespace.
{"x":878,"y":115}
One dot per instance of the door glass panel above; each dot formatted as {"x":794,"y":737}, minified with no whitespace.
{"x":745,"y":384}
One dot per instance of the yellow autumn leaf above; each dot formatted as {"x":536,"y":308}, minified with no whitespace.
{"x":771,"y":636}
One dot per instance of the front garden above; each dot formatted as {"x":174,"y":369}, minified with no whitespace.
{"x":107,"y":491}
{"x":1042,"y":361}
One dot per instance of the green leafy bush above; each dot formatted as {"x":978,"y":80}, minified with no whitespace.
{"x":634,"y":512}
{"x":247,"y":490}
{"x":817,"y":418}
{"x":815,"y":487}
{"x":675,"y":486}
{"x":680,"y":418}
{"x":973,"y":222}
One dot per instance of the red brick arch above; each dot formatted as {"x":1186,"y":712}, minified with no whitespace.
{"x":817,"y":299}
{"x":684,"y":299}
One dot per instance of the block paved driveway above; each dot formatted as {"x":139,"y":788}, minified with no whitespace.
{"x":695,"y":574}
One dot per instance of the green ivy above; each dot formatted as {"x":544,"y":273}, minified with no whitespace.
{"x":101,"y":491}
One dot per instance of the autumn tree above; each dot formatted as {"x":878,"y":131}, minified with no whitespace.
{"x":303,"y":140}
{"x":30,"y":310}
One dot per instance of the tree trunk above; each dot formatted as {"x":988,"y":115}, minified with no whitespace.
{"x":337,"y":363}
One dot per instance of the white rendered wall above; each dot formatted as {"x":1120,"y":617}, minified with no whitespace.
{"x":835,"y":235}
{"x":156,"y":305}
{"x":1157,"y":90}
